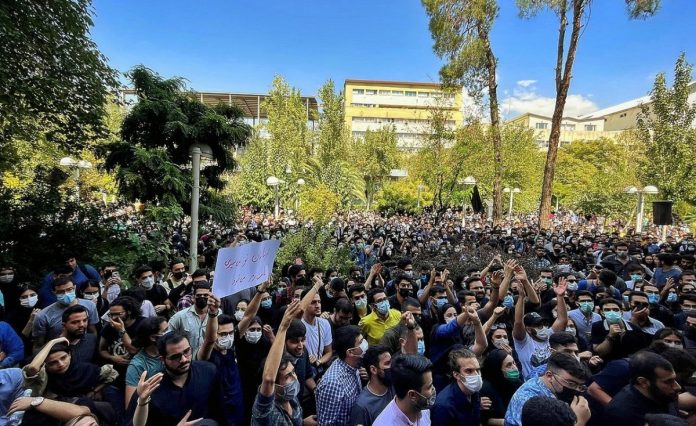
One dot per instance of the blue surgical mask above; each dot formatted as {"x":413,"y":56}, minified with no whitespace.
{"x":421,"y":347}
{"x":636,"y":277}
{"x":383,"y":307}
{"x":508,"y":301}
{"x":653,"y":298}
{"x":266,"y":304}
{"x":612,"y":317}
{"x":66,"y":299}
{"x":440,"y":302}
{"x":672,"y":297}
{"x":625,"y":298}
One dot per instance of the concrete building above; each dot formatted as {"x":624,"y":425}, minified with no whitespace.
{"x":572,"y":129}
{"x":372,"y":104}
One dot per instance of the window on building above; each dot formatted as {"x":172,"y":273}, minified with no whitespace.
{"x":423,"y":94}
{"x":542,"y":143}
{"x":385,"y":92}
{"x":567,"y":126}
{"x":591,"y":127}
{"x":437,"y":94}
{"x":542,"y":126}
{"x":370,"y":92}
{"x":358,"y":91}
{"x":410,"y":93}
{"x":397,"y":92}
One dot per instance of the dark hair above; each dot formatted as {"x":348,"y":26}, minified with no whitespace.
{"x":404,"y":262}
{"x":59,"y":347}
{"x":636,"y":293}
{"x":608,"y":301}
{"x":356,"y":288}
{"x":337,"y":284}
{"x":130,"y":305}
{"x":62,"y":269}
{"x":371,"y":357}
{"x":225,"y":319}
{"x":296,"y":329}
{"x":607,"y":277}
{"x":371,"y":294}
{"x":547,"y":411}
{"x":563,"y":361}
{"x":583,"y":293}
{"x":435,"y":290}
{"x":455,"y":355}
{"x":284,"y":361}
{"x":666,"y":258}
{"x":344,"y":339}
{"x":141,"y":270}
{"x":402,"y":277}
{"x":62,"y":281}
{"x":294,"y":270}
{"x":343,"y":305}
{"x":168,"y":339}
{"x":175,"y":261}
{"x":644,"y":364}
{"x":471,"y":280}
{"x":77,"y":309}
{"x":407,"y":373}
{"x":200,"y":273}
{"x":146,"y":328}
{"x":408,"y":302}
{"x":561,"y":338}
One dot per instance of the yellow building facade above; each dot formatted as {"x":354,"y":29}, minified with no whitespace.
{"x":572,"y":129}
{"x":373,"y":104}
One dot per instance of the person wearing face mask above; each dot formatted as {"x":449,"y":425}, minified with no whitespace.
{"x":22,"y":317}
{"x":501,"y":379}
{"x":177,"y":274}
{"x":91,"y":292}
{"x":378,"y":392}
{"x":621,"y":263}
{"x":381,"y":319}
{"x":191,"y":322}
{"x":154,"y":292}
{"x":48,"y":323}
{"x":460,"y":401}
{"x":147,"y":360}
{"x":68,"y":266}
{"x":564,"y":379}
{"x":331,"y":292}
{"x":415,"y":394}
{"x":584,"y":316}
{"x":218,"y":348}
{"x":338,"y":390}
{"x":404,"y":289}
{"x":276,"y":402}
{"x":531,"y":333}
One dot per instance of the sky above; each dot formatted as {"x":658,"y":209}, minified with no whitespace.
{"x":239,"y":46}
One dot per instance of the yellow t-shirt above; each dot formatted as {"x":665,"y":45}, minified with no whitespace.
{"x":373,"y":327}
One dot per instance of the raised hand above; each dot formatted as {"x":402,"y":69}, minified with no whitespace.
{"x":147,"y":387}
{"x":408,"y":320}
{"x":560,"y":287}
{"x":293,"y":310}
{"x":213,"y":304}
{"x":186,"y":422}
{"x":498,"y":311}
{"x":509,"y":267}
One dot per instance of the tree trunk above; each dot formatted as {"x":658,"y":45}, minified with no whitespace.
{"x":562,"y":86}
{"x":495,"y":129}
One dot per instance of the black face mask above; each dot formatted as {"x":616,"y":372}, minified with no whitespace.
{"x":178,"y":275}
{"x":404,"y":292}
{"x":567,"y":395}
{"x":201,"y":302}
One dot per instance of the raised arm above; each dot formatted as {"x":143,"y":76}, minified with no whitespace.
{"x":270,"y":370}
{"x":522,"y":277}
{"x":34,"y":366}
{"x":426,"y":291}
{"x":480,"y":341}
{"x":488,"y":308}
{"x":62,"y":411}
{"x":411,"y":345}
{"x":497,"y":312}
{"x":145,"y":389}
{"x":518,"y":331}
{"x":562,"y":318}
{"x":211,"y":329}
{"x":253,"y":308}
{"x":307,"y":299}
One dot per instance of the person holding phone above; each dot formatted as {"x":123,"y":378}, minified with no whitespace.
{"x":609,"y":337}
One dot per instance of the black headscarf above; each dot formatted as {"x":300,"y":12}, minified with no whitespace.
{"x":78,"y":380}
{"x":492,"y":372}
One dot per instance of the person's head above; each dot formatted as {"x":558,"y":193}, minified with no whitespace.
{"x":124,"y":308}
{"x":688,"y":277}
{"x":377,"y":361}
{"x":201,"y":292}
{"x":565,"y":342}
{"x":144,"y":277}
{"x":28,"y":297}
{"x":412,"y":305}
{"x":565,"y":376}
{"x":75,"y":321}
{"x":349,"y":345}
{"x":298,"y":275}
{"x":638,"y":302}
{"x":225,"y":332}
{"x":665,"y":259}
{"x":610,"y":310}
{"x":335,"y":287}
{"x":585,"y":301}
{"x":7,"y":273}
{"x":404,"y":286}
{"x":200,"y":275}
{"x":498,"y":335}
{"x":438,"y":296}
{"x":343,"y":312}
{"x":358,"y":296}
{"x":670,"y":336}
{"x":606,"y":278}
{"x":314,"y":308}
{"x":537,"y":326}
{"x":539,"y":251}
{"x":412,"y":380}
{"x":149,"y":330}
{"x":476,"y":285}
{"x":64,"y":289}
{"x":621,"y":249}
{"x":178,"y":268}
{"x":58,"y":359}
{"x":547,"y":411}
{"x":500,"y":367}
{"x":378,"y":301}
{"x":688,"y":304}
{"x":295,"y":338}
{"x":654,"y":376}
{"x":465,"y":369}
{"x":175,"y":353}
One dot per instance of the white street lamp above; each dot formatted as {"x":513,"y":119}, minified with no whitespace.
{"x":512,"y":192}
{"x":650,"y":189}
{"x":197,"y":152}
{"x":274,"y":182}
{"x":420,"y":188}
{"x":300,"y":182}
{"x":468,"y":181}
{"x":77,"y":165}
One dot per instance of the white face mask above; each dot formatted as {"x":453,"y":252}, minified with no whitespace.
{"x":238,"y":314}
{"x":226,"y":342}
{"x":147,"y":283}
{"x":6,"y":279}
{"x":499,"y":343}
{"x":450,"y":319}
{"x":91,"y":296}
{"x":112,"y":293}
{"x":253,"y":336}
{"x":473,"y":383}
{"x":29,"y":302}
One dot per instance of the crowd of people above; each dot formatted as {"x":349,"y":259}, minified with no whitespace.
{"x":442,"y":319}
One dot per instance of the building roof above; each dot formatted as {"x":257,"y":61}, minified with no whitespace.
{"x":531,"y":114}
{"x":247,"y":102}
{"x":627,"y":105}
{"x":392,"y":83}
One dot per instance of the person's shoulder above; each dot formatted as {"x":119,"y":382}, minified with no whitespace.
{"x":204,"y":367}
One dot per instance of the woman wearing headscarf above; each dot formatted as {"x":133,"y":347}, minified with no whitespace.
{"x":501,"y":378}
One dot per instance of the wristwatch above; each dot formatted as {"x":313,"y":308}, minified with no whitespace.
{"x":35,"y":402}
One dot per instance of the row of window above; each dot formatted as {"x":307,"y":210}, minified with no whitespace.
{"x":565,"y":126}
{"x":412,"y":93}
{"x":405,"y":121}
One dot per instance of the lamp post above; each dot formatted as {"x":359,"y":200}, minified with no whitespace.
{"x":197,"y":152}
{"x":650,"y":189}
{"x":300,"y":182}
{"x":77,"y":165}
{"x":512,"y":192}
{"x":468,"y":181}
{"x":420,"y":188}
{"x":274,"y":182}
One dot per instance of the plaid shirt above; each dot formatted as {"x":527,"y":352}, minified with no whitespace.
{"x":266,"y":411}
{"x":336,"y":394}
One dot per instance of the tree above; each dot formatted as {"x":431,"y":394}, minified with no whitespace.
{"x":579,"y":11}
{"x":318,"y":203}
{"x":401,"y":196}
{"x":53,"y":79}
{"x":461,"y":30}
{"x":668,"y":138}
{"x":150,"y":159}
{"x":376,"y":155}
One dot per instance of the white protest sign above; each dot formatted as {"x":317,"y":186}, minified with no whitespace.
{"x":245,"y":266}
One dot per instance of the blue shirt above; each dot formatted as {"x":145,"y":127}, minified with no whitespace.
{"x":232,"y":401}
{"x":336,"y":393}
{"x":584,"y":285}
{"x":530,"y":388}
{"x":80,"y":275}
{"x":453,"y":407}
{"x":583,"y":323}
{"x":11,"y":344}
{"x":11,"y":387}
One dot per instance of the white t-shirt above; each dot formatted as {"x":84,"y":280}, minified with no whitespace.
{"x":531,"y":354}
{"x":318,"y":336}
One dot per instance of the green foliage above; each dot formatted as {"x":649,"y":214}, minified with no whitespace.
{"x":150,"y":160}
{"x":667,"y":137}
{"x":401,"y":196}
{"x":53,"y":79}
{"x":318,"y":203}
{"x":375,"y":156}
{"x":315,"y":248}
